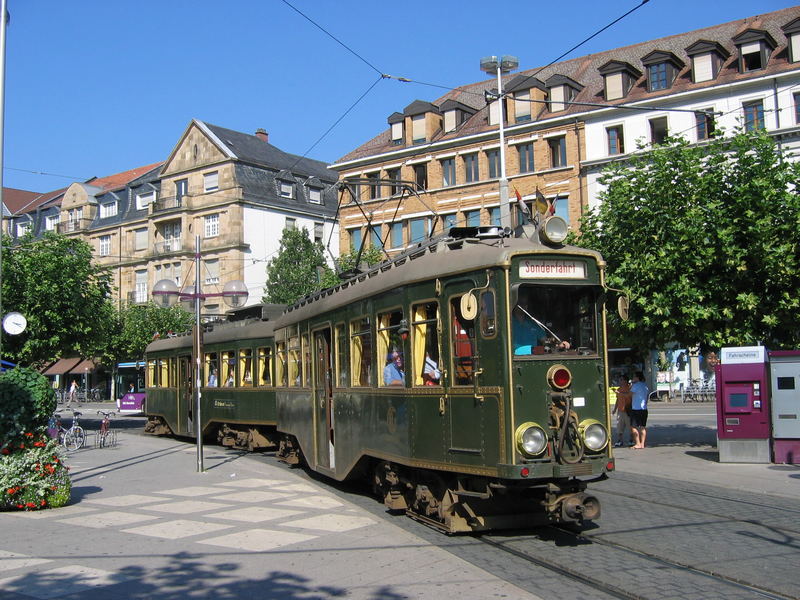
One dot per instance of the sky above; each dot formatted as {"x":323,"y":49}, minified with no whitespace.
{"x":96,"y":87}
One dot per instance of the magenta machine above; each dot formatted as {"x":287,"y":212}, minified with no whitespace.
{"x":743,"y":411}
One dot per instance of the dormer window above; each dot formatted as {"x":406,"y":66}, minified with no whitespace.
{"x":619,"y":78}
{"x":792,"y":32}
{"x":396,"y":123}
{"x":522,"y":106}
{"x":494,"y":111}
{"x":108,"y":209}
{"x":315,"y":195}
{"x":561,"y":91}
{"x":286,"y":189}
{"x":418,"y":129}
{"x":455,"y":114}
{"x":662,"y":68}
{"x":420,"y":114}
{"x":755,"y":47}
{"x":707,"y":58}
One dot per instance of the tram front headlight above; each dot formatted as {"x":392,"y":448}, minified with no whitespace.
{"x":531,"y":439}
{"x":593,"y":434}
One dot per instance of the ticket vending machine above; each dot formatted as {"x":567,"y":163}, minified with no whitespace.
{"x":785,"y":399}
{"x":743,"y":416}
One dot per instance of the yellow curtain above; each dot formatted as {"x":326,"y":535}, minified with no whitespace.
{"x":420,"y":335}
{"x":355,"y":360}
{"x":383,"y":338}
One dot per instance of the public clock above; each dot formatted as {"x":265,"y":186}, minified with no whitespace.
{"x":14,"y":323}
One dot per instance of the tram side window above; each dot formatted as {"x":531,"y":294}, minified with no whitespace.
{"x":390,"y":348}
{"x":488,"y":321}
{"x":361,"y":352}
{"x":425,"y":340}
{"x":212,"y":369}
{"x":282,"y":364}
{"x":228,"y":378}
{"x":342,"y":370}
{"x":306,"y":362}
{"x":264,"y":366}
{"x":246,"y":367}
{"x":163,"y":372}
{"x":152,"y":374}
{"x":173,"y":372}
{"x":295,"y":366}
{"x":463,"y":340}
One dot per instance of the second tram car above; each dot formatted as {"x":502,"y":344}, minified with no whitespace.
{"x":465,"y":379}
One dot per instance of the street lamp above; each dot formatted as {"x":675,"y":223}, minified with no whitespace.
{"x":165,"y":294}
{"x":500,"y":65}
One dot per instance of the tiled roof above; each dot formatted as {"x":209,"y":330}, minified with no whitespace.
{"x":118,"y":180}
{"x":14,"y":199}
{"x":33,"y":202}
{"x":584,"y":70}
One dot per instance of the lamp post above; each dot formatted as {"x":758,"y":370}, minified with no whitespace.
{"x":500,"y":65}
{"x":166,"y":293}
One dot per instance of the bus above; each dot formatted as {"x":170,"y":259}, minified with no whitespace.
{"x":129,"y":386}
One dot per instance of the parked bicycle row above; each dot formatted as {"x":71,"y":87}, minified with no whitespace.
{"x":74,"y":437}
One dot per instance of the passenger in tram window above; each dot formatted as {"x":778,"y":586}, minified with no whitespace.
{"x":393,"y":371}
{"x":431,"y":374}
{"x":212,"y":379}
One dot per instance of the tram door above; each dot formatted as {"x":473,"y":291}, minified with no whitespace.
{"x":323,"y":392}
{"x":185,"y":391}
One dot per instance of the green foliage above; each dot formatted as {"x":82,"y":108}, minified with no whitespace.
{"x":26,"y":403}
{"x":704,"y":239}
{"x":33,"y":475}
{"x":138,"y":324}
{"x":346,"y":261}
{"x":294,"y":272}
{"x":64,"y":296}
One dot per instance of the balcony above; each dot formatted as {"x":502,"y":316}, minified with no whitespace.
{"x":167,"y":247}
{"x":137,"y":297}
{"x":167,"y":203}
{"x":73,"y":226}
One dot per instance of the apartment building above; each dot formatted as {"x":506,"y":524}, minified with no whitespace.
{"x":236,"y":191}
{"x":563,"y":123}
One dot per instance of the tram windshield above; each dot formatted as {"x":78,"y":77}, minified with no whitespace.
{"x":552,"y":319}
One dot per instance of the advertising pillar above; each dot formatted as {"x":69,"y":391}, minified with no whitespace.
{"x":785,"y":400}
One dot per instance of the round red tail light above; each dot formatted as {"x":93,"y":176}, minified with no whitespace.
{"x":559,"y":377}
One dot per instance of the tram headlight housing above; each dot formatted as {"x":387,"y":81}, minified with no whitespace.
{"x":559,"y":377}
{"x":554,"y":231}
{"x":531,"y":439}
{"x":593,"y":434}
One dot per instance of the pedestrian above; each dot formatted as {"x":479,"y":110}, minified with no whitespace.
{"x":73,"y":393}
{"x":640,"y":394}
{"x":622,"y":409}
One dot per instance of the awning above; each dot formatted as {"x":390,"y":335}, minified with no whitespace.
{"x":85,"y":366}
{"x":61,"y":366}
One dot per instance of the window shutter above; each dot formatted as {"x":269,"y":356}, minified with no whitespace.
{"x":795,"y":45}
{"x":397,"y":131}
{"x":703,"y":67}
{"x":614,"y":86}
{"x":522,"y":104}
{"x":753,"y":48}
{"x":494,"y":113}
{"x":557,"y":98}
{"x":450,"y":120}
{"x":418,"y":127}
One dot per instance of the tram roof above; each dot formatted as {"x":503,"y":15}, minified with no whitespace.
{"x":449,"y":257}
{"x":222,"y":331}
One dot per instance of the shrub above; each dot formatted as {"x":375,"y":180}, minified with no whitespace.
{"x":26,"y":403}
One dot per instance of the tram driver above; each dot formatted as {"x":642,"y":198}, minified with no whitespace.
{"x":529,"y":336}
{"x":393,"y":371}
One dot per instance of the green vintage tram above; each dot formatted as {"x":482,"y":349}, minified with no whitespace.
{"x":465,"y":379}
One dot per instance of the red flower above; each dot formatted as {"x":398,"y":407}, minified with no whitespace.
{"x":39,"y":444}
{"x":29,"y":434}
{"x":5,"y":451}
{"x":30,"y":505}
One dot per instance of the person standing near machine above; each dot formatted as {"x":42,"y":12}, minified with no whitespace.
{"x":640,"y":392}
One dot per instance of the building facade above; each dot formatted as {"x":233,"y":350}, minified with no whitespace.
{"x":236,"y":191}
{"x":564,"y":123}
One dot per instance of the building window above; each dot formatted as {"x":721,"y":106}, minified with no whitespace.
{"x":753,"y":115}
{"x":105,"y":245}
{"x":752,"y":57}
{"x":657,"y":77}
{"x":471,"y":172}
{"x":417,"y":229}
{"x":290,"y":223}
{"x":108,"y":209}
{"x":493,"y":160}
{"x":140,"y":239}
{"x":525,"y":152}
{"x":393,"y":175}
{"x":616,"y":142}
{"x":145,"y":198}
{"x":23,"y":228}
{"x":319,"y":232}
{"x":421,"y":176}
{"x":375,"y":239}
{"x":374,"y":186}
{"x":211,"y":223}
{"x":211,"y":271}
{"x":286,"y":190}
{"x":558,"y":151}
{"x":450,"y":221}
{"x":315,"y":195}
{"x":397,"y":133}
{"x":522,"y":106}
{"x":51,"y":221}
{"x":181,"y":189}
{"x":494,"y":216}
{"x":704,"y":123}
{"x":473,"y":218}
{"x":658,"y":130}
{"x":140,"y":293}
{"x":211,"y":181}
{"x":561,"y":208}
{"x":448,"y":172}
{"x":355,"y":239}
{"x":797,"y":108}
{"x":418,"y":129}
{"x":396,"y":239}
{"x":704,"y":67}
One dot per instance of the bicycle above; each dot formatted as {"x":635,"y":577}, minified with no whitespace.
{"x":105,"y":436}
{"x":74,"y":437}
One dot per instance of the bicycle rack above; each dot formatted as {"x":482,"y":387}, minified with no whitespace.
{"x":110,"y":439}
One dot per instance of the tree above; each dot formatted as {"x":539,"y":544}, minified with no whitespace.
{"x":64,"y":296}
{"x":347,"y":261}
{"x":704,"y":240}
{"x":293,"y":273}
{"x":139,"y":324}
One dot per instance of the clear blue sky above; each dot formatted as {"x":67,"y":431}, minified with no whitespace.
{"x":97,"y":87}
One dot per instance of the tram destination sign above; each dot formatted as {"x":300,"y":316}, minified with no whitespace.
{"x":548,"y":268}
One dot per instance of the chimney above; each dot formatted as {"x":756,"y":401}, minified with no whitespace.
{"x":262,"y":134}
